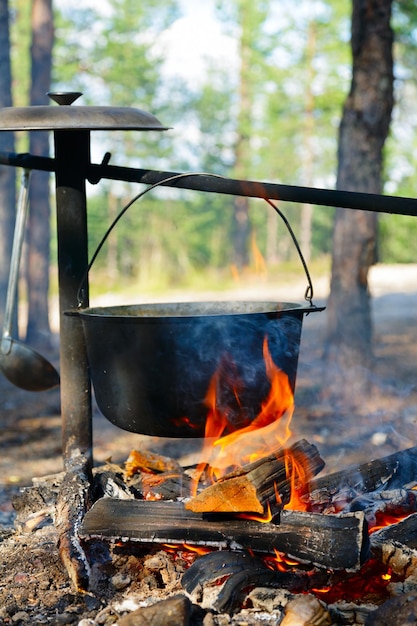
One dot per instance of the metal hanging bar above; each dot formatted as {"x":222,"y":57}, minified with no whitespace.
{"x":256,"y":189}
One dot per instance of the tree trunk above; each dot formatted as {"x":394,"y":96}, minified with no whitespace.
{"x":308,"y":134}
{"x":241,"y":222}
{"x":38,"y":330}
{"x":363,"y":130}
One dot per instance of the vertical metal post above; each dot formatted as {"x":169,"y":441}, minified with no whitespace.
{"x":72,"y":156}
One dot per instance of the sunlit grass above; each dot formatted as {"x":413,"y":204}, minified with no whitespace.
{"x":206,"y":281}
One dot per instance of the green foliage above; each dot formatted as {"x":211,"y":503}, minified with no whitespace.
{"x":20,"y":36}
{"x":110,"y":52}
{"x":397,"y":234}
{"x":322,"y":230}
{"x":297,"y":61}
{"x":20,"y":39}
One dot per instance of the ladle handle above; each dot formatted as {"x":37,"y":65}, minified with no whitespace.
{"x":18,"y":238}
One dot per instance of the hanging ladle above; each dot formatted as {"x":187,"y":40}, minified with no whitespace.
{"x":21,"y":365}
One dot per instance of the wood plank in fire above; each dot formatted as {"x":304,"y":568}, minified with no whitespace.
{"x":329,"y":541}
{"x":264,"y":481}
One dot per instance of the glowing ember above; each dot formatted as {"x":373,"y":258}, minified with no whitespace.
{"x":382,"y":520}
{"x":371,"y":582}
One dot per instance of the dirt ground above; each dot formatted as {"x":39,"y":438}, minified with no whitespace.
{"x":34,"y":585}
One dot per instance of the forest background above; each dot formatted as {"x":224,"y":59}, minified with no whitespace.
{"x":297,"y":78}
{"x":264,"y":105}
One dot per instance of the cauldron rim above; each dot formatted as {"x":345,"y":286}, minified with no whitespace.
{"x":177,"y":311}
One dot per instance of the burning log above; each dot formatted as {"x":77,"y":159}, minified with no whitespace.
{"x":147,"y":461}
{"x":165,"y":485}
{"x":333,"y":492}
{"x":396,"y":546}
{"x":393,"y":503}
{"x":327,"y":541}
{"x":217,"y":580}
{"x":267,"y":480}
{"x":232,"y":494}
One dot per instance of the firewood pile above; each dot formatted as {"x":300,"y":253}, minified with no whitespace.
{"x":232,"y":552}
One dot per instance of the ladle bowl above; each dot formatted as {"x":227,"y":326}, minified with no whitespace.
{"x":26,"y":368}
{"x":20,"y":364}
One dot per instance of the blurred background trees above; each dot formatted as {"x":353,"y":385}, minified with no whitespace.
{"x":363,"y":130}
{"x":272,"y":114}
{"x":39,"y":231}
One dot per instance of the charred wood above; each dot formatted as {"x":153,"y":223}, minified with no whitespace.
{"x":332,"y":542}
{"x":143,"y":485}
{"x":396,"y":546}
{"x":333,"y":492}
{"x":164,"y":486}
{"x":111,"y":484}
{"x":175,"y":611}
{"x":400,"y":611}
{"x":350,"y":612}
{"x":332,"y":539}
{"x":241,"y":571}
{"x":72,"y":503}
{"x":395,"y":503}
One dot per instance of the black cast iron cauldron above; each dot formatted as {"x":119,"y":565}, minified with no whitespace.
{"x":151,"y":364}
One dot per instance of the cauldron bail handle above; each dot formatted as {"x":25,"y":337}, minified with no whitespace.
{"x":309,"y":292}
{"x":81,"y":289}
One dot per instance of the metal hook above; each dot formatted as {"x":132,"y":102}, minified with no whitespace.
{"x":97,"y":178}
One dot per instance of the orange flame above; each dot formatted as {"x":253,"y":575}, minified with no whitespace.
{"x":270,"y":428}
{"x":264,"y":519}
{"x":280,"y":562}
{"x":200,"y":550}
{"x":298,"y":477}
{"x":258,"y":259}
{"x":384,"y":519}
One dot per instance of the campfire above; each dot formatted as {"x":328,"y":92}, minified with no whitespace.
{"x":255,"y":514}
